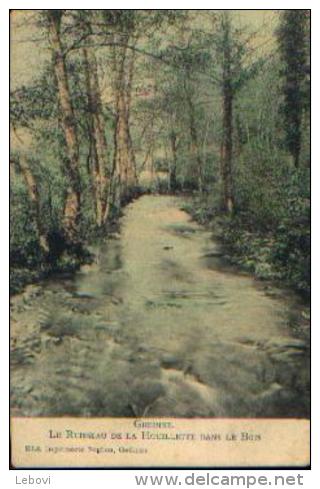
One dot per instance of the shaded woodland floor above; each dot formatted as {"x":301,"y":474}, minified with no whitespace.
{"x":158,"y":325}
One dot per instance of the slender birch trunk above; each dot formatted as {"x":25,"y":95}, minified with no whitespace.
{"x":100,"y":150}
{"x":124,"y":159}
{"x":131,"y":172}
{"x":72,"y":202}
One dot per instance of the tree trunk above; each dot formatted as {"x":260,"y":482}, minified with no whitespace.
{"x":72,"y":202}
{"x":173,"y":167}
{"x":100,"y":150}
{"x":33,"y":192}
{"x":194,"y":147}
{"x":124,"y":161}
{"x":226,"y":146}
{"x":226,"y":152}
{"x":131,"y":174}
{"x":121,"y":150}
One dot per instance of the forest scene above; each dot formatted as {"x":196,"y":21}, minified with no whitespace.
{"x":160,"y":213}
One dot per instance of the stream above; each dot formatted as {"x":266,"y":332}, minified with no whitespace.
{"x":158,"y":325}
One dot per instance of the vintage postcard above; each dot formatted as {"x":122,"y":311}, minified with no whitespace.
{"x":160,"y":238}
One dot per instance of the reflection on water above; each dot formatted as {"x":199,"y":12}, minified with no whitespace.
{"x":156,"y":327}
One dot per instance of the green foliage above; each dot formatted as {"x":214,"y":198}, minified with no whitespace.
{"x":291,"y":252}
{"x":24,"y":246}
{"x":293,"y":42}
{"x":28,"y":103}
{"x":270,"y":240}
{"x":176,"y":104}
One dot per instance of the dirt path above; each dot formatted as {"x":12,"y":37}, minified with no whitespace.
{"x":156,"y":327}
